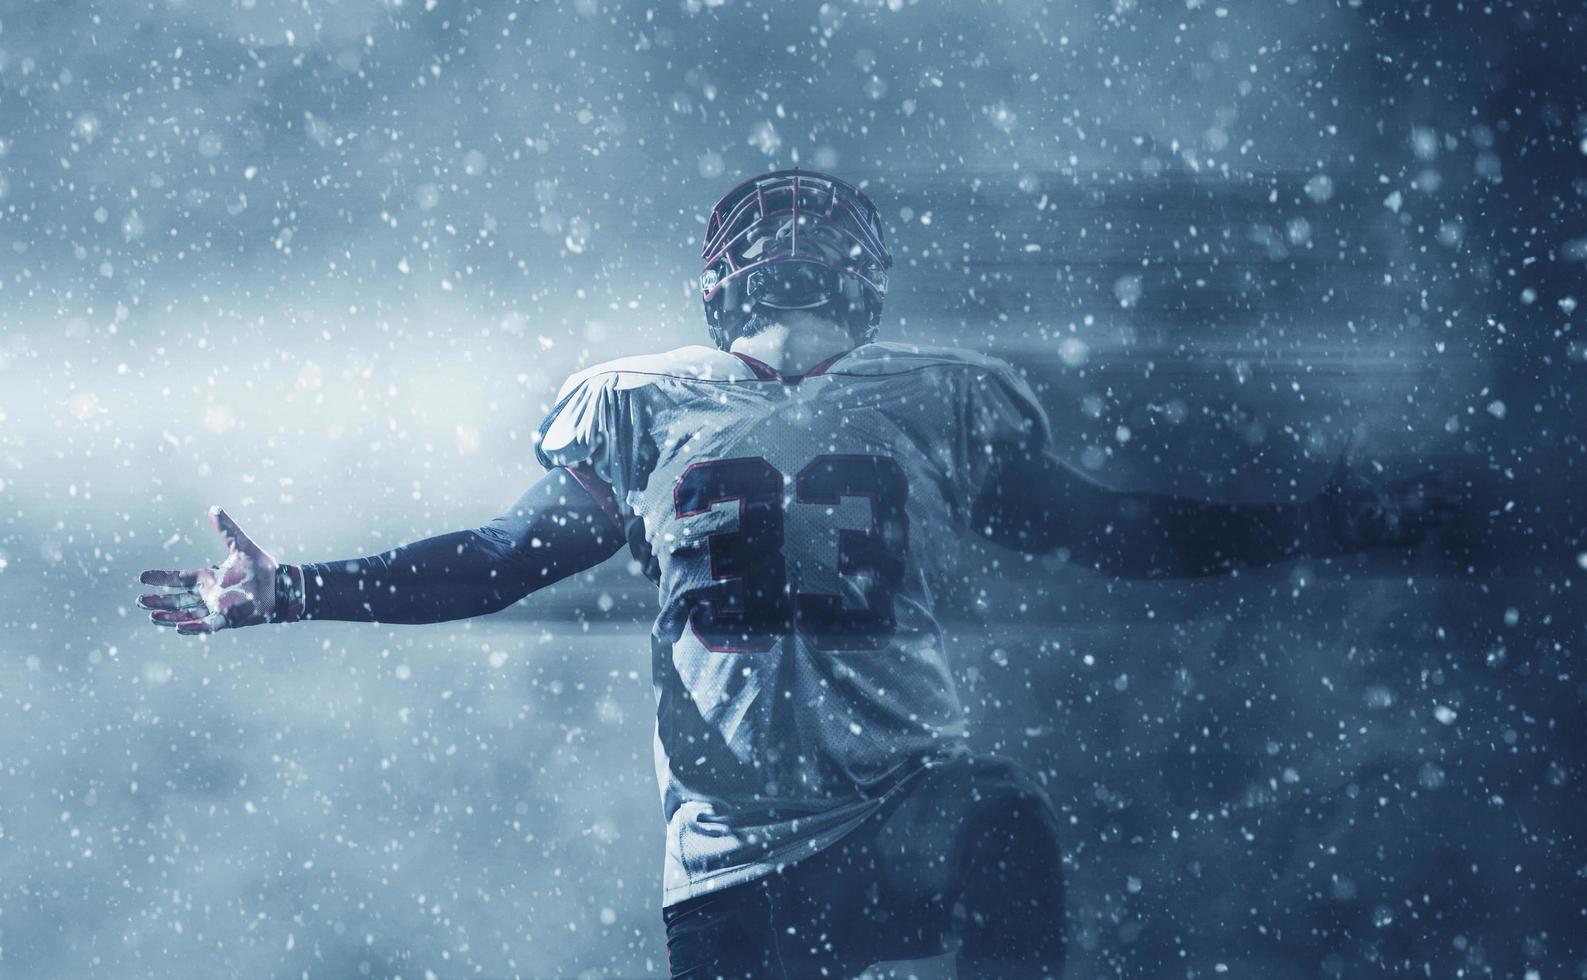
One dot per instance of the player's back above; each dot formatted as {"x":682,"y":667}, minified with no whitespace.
{"x":799,"y":530}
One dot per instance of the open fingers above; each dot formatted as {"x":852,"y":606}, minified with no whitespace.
{"x":228,"y":530}
{"x":170,"y":600}
{"x":174,"y":617}
{"x":209,"y":624}
{"x":171,"y":579}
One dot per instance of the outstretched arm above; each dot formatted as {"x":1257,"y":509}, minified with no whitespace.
{"x":556,"y":529}
{"x":1036,"y":503}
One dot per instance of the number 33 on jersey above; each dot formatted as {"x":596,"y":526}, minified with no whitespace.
{"x":750,"y":604}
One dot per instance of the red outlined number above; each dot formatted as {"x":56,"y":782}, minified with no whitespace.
{"x":748,"y":606}
{"x":874,"y":557}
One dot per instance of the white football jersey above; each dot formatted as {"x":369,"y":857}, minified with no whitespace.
{"x":799,"y":530}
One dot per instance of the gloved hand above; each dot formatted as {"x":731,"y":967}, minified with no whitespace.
{"x":240,"y":591}
{"x":1361,"y":512}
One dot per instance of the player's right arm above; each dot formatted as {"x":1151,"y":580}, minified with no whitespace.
{"x":564,"y":524}
{"x":1025,"y":497}
{"x":1037,"y":503}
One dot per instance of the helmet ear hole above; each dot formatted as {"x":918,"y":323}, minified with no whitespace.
{"x":727,"y":312}
{"x":856,"y":309}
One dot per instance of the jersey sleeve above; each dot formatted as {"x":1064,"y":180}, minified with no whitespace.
{"x":1002,"y":418}
{"x":589,"y":431}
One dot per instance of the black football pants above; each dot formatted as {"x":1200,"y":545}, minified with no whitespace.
{"x":964,"y":858}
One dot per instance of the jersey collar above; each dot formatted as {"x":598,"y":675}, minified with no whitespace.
{"x":765,"y":372}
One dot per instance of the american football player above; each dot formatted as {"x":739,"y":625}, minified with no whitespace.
{"x":788,"y":489}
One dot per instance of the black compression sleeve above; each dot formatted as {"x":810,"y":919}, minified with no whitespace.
{"x":556,"y":529}
{"x":1036,"y":503}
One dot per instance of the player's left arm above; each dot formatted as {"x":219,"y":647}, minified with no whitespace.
{"x":565,"y":523}
{"x":1035,"y":502}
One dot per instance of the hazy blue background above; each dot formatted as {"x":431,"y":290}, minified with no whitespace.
{"x":326,"y":263}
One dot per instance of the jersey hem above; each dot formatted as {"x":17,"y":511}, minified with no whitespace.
{"x":720,"y":880}
{"x":715,"y":881}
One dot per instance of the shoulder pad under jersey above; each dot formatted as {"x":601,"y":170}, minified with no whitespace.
{"x":695,"y":362}
{"x":892,"y":358}
{"x":1000,"y":403}
{"x":587,"y":410}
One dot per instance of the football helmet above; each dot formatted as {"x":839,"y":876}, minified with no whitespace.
{"x":793,"y":240}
